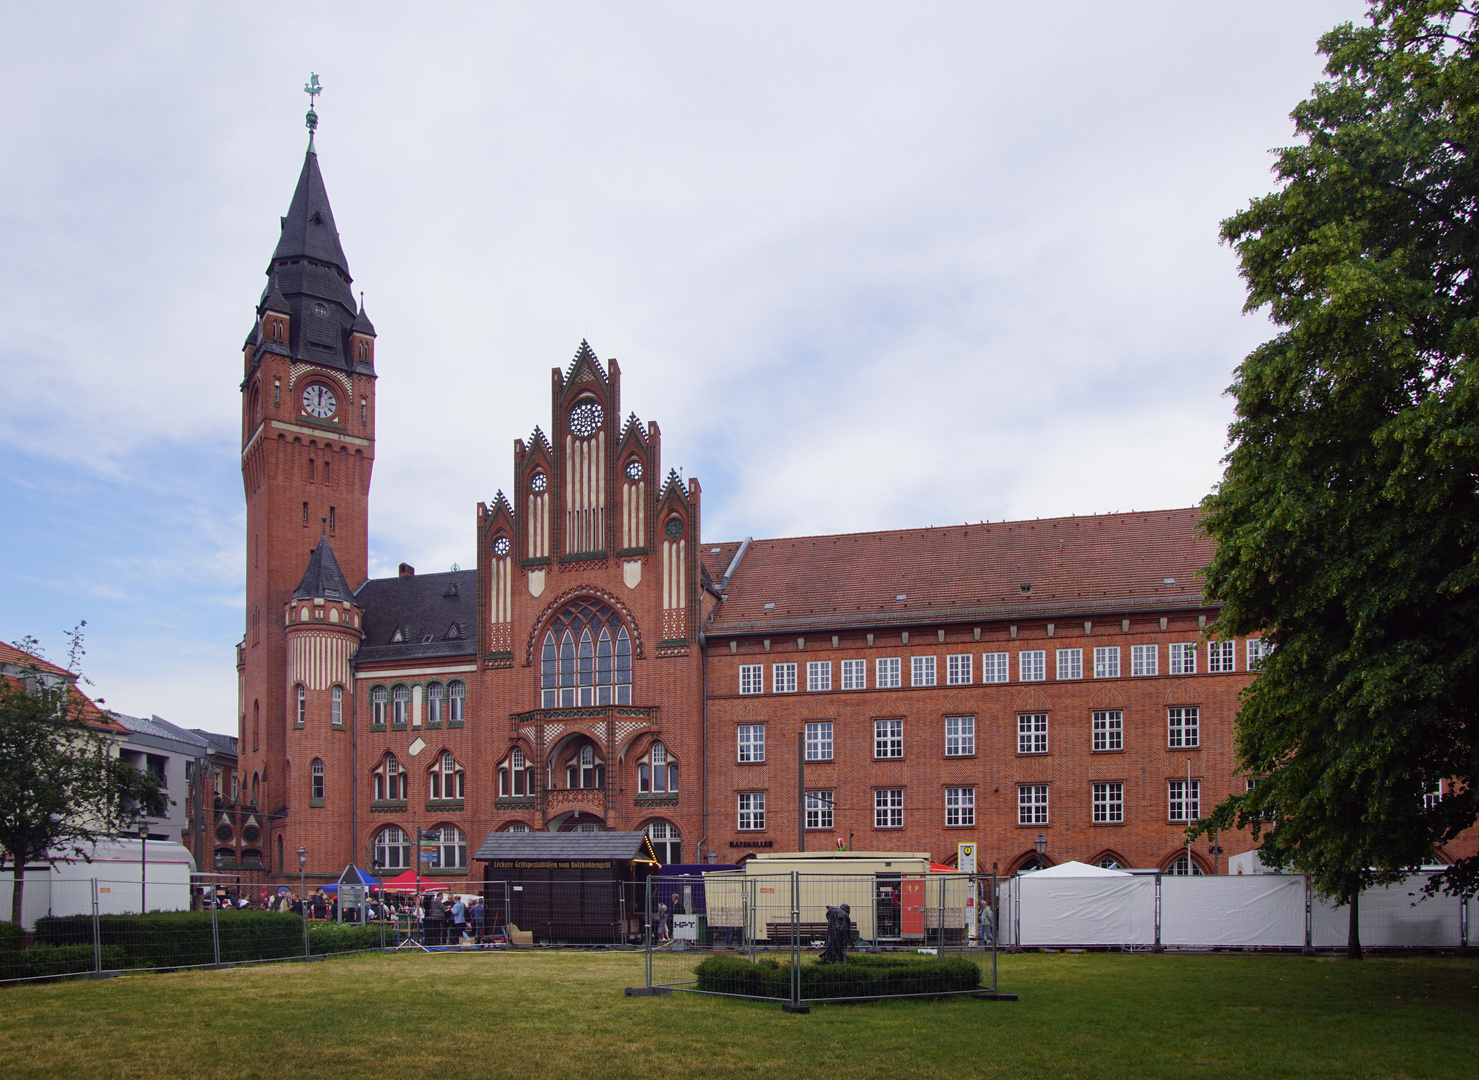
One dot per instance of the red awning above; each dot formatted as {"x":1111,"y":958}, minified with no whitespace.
{"x":941,"y":868}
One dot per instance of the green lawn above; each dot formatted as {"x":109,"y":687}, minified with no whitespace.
{"x":563,"y":1014}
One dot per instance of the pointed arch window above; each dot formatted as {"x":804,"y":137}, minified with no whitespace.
{"x":446,"y":778}
{"x":515,"y":778}
{"x":657,"y":772}
{"x":390,"y":781}
{"x":316,"y":792}
{"x":586,"y":658}
{"x":585,"y":769}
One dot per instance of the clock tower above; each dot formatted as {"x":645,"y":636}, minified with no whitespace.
{"x":307,"y":451}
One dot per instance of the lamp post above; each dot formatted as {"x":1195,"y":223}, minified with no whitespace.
{"x":144,"y":867}
{"x":1041,"y":843}
{"x":303,"y":892}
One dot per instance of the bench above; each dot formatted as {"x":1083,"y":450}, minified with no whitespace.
{"x":779,"y":933}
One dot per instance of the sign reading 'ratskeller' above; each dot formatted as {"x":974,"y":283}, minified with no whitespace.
{"x":547,"y":864}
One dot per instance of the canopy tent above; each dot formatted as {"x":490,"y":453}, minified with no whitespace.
{"x":352,"y":875}
{"x":941,"y":868}
{"x":1072,"y":869}
{"x":406,"y":882}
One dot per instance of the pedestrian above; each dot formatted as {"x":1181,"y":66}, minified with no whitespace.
{"x":477,"y":919}
{"x":459,"y":919}
{"x":662,"y":922}
{"x":436,"y":915}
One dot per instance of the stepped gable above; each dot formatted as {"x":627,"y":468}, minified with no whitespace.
{"x":416,"y":608}
{"x":1101,"y":564}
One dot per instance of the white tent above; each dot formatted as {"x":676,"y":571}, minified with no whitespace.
{"x":1072,"y":869}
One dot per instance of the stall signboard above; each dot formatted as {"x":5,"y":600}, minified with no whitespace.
{"x":685,"y":927}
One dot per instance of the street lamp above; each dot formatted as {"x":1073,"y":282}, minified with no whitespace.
{"x":1041,"y":843}
{"x":143,"y":867}
{"x":303,"y":893}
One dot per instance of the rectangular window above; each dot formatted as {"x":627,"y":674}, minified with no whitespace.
{"x":336,"y":706}
{"x":818,"y":809}
{"x":751,"y":742}
{"x":887,"y":673}
{"x":921,"y":671}
{"x":783,"y":678}
{"x":1070,"y":663}
{"x":1109,"y":729}
{"x":1107,"y":662}
{"x":318,"y":779}
{"x":818,"y":676}
{"x":1257,"y":652}
{"x":994,"y":667}
{"x":819,"y":741}
{"x":888,"y":808}
{"x":888,"y":738}
{"x":1220,"y":655}
{"x":960,"y":806}
{"x":752,"y":678}
{"x":1182,"y":726}
{"x":854,"y":674}
{"x":960,"y":736}
{"x":1145,"y":660}
{"x":958,"y":669}
{"x":1185,"y":798}
{"x":1184,"y":658}
{"x":1032,"y":733}
{"x":1032,"y":804}
{"x":1431,"y":798}
{"x":1032,"y":665}
{"x":1109,"y":803}
{"x":751,"y":811}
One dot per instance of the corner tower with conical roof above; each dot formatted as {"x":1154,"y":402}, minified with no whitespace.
{"x":307,"y":451}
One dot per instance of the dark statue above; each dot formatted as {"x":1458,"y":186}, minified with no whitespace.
{"x":839,"y":934}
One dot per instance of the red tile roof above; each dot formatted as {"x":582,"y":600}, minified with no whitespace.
{"x":1075,"y":566}
{"x":90,"y":712}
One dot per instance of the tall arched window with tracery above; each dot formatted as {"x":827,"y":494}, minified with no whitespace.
{"x":586,"y":658}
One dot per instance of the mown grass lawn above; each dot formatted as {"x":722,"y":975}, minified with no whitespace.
{"x":563,"y":1014}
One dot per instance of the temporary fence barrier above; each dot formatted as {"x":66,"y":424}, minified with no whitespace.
{"x":95,"y":927}
{"x":1278,"y":911}
{"x":759,"y":936}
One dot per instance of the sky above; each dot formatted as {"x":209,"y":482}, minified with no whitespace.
{"x":868,"y":265}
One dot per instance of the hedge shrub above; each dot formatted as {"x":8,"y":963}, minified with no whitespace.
{"x":862,"y":976}
{"x":326,"y":938}
{"x":40,"y":961}
{"x":12,"y":938}
{"x":180,"y":938}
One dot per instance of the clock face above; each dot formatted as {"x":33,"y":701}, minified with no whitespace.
{"x":501,"y":546}
{"x":634,"y":471}
{"x":585,"y":418}
{"x":319,"y":401}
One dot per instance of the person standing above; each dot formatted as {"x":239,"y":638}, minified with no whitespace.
{"x":477,"y":919}
{"x":459,"y":920}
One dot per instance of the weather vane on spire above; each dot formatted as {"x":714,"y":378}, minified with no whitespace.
{"x":312,"y":88}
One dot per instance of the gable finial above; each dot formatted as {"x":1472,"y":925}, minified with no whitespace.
{"x":312,"y":88}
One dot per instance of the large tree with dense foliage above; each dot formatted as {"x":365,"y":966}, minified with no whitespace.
{"x":1347,"y":522}
{"x":61,"y":787}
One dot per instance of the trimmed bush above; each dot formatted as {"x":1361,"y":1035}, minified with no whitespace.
{"x":326,"y":938}
{"x":12,"y":938}
{"x":180,"y":938}
{"x":861,"y":977}
{"x":40,"y":961}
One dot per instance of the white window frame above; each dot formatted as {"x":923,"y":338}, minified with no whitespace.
{"x":1108,"y":730}
{"x":1221,"y":656}
{"x":888,"y":808}
{"x":819,"y":807}
{"x":750,"y":744}
{"x":783,"y":678}
{"x":1109,"y":802}
{"x":958,"y":669}
{"x":751,"y":808}
{"x":818,"y":676}
{"x":1257,"y":653}
{"x":819,"y":740}
{"x":336,"y":706}
{"x":1183,"y":658}
{"x":1106,"y":661}
{"x":922,"y":671}
{"x":1032,"y":804}
{"x":888,"y":740}
{"x":1145,"y":660}
{"x":996,"y":667}
{"x":1032,"y":733}
{"x":1183,"y":727}
{"x":1070,"y":664}
{"x":960,"y":736}
{"x":854,"y":674}
{"x":888,"y":673}
{"x":960,"y":807}
{"x":1032,"y":665}
{"x":1180,"y":807}
{"x":752,"y":679}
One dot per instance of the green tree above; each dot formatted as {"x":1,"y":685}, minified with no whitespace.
{"x":61,"y":789}
{"x":1347,"y":521}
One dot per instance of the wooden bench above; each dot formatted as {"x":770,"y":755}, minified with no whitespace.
{"x":779,"y":933}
